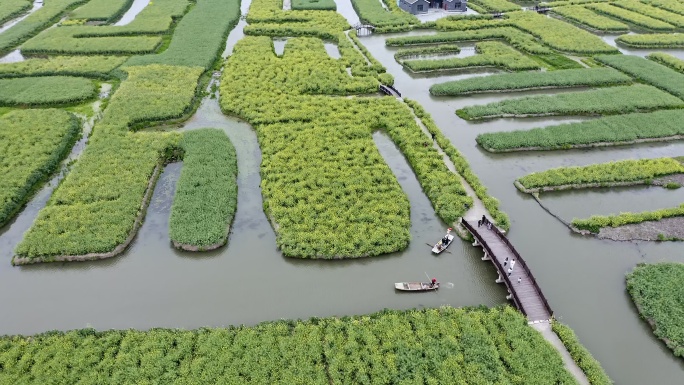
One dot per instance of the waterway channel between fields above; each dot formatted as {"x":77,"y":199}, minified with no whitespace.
{"x":249,"y":281}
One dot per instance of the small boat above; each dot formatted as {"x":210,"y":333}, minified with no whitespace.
{"x":443,"y":243}
{"x":416,"y":286}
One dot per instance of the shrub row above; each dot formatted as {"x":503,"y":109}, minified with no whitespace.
{"x":612,"y":100}
{"x":648,"y":72}
{"x":13,"y":8}
{"x":319,"y":5}
{"x":32,"y":143}
{"x":35,"y":22}
{"x":563,"y":3}
{"x":591,"y":19}
{"x":650,"y":11}
{"x":490,"y":54}
{"x":652,"y":40}
{"x":199,"y":37}
{"x":673,"y":6}
{"x":206,"y":194}
{"x":496,"y":5}
{"x":585,"y":77}
{"x":102,"y":10}
{"x":45,"y":90}
{"x":596,"y":222}
{"x":89,"y":66}
{"x":512,"y":36}
{"x":614,"y":130}
{"x":658,"y":293}
{"x":640,"y":170}
{"x":445,"y":345}
{"x":445,"y":49}
{"x":667,"y":60}
{"x":560,"y":35}
{"x":464,"y":23}
{"x":94,"y":209}
{"x":582,"y":357}
{"x":462,"y":167}
{"x":631,"y":17}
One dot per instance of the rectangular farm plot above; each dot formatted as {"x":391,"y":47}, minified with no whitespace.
{"x":90,"y":66}
{"x":101,"y":10}
{"x":612,"y":100}
{"x":46,"y":90}
{"x":631,"y":17}
{"x":650,"y":11}
{"x":653,"y":40}
{"x":647,"y":71}
{"x":591,"y":19}
{"x":32,"y":144}
{"x":10,"y":9}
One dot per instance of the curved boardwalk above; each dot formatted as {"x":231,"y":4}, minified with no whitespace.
{"x":523,"y":288}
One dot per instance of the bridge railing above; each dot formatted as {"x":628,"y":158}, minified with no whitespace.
{"x":502,"y":272}
{"x":524,"y":264}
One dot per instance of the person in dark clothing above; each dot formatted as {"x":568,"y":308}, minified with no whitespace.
{"x":434,"y":282}
{"x":484,"y":219}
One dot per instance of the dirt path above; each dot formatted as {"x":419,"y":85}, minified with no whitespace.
{"x":544,"y":328}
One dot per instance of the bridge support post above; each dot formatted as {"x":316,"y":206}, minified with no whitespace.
{"x":499,"y":279}
{"x":509,"y":296}
{"x":476,"y":243}
{"x":486,"y":256}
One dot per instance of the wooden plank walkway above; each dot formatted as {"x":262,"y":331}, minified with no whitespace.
{"x":523,"y":288}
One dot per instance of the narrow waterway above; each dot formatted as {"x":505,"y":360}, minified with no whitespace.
{"x":132,"y":12}
{"x":37,"y":4}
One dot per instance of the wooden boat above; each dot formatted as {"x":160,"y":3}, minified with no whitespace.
{"x":415,"y":286}
{"x":441,"y":245}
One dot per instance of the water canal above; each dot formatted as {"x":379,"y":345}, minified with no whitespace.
{"x":249,"y":281}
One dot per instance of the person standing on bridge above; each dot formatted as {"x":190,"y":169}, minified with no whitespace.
{"x":510,"y":270}
{"x":512,"y":263}
{"x":505,"y":261}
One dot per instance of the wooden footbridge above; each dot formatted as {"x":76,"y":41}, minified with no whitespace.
{"x":522,"y":287}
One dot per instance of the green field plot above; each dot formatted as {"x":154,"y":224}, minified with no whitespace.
{"x":206,"y":193}
{"x":597,"y":222}
{"x":496,"y":5}
{"x":444,"y":49}
{"x":589,"y":365}
{"x":490,"y":54}
{"x":586,"y":77}
{"x":45,"y":90}
{"x":372,"y":12}
{"x":626,"y":171}
{"x":647,"y":71}
{"x":89,"y":66}
{"x":667,"y":60}
{"x":560,"y":35}
{"x":519,"y":40}
{"x":320,"y":5}
{"x":653,"y":40}
{"x":445,"y":345}
{"x":611,"y":100}
{"x":199,"y":36}
{"x":95,"y":208}
{"x":35,"y":22}
{"x":267,"y":18}
{"x":10,"y":9}
{"x":631,"y":17}
{"x":673,"y":6}
{"x":658,"y":293}
{"x":591,"y":19}
{"x":32,"y":143}
{"x":609,"y":130}
{"x":102,"y":10}
{"x":653,"y":12}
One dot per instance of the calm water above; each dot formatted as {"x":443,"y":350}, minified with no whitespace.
{"x":249,"y":281}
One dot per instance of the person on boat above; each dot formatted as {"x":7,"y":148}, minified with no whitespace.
{"x":434,"y":282}
{"x":445,"y":240}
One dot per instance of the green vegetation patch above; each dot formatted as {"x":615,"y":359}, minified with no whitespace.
{"x":441,"y":346}
{"x":199,"y":36}
{"x":206,"y":194}
{"x":267,"y":18}
{"x":585,"y":77}
{"x":9,"y":9}
{"x":631,"y":17}
{"x":490,"y":54}
{"x":647,"y":71}
{"x":667,"y":60}
{"x":614,"y":130}
{"x":596,"y":222}
{"x":653,"y":12}
{"x":496,"y":5}
{"x":560,"y":35}
{"x":45,"y":90}
{"x":611,"y":100}
{"x":50,"y":13}
{"x":673,"y":6}
{"x":32,"y":143}
{"x":589,"y":365}
{"x":95,"y":208}
{"x":102,"y":10}
{"x":393,"y":20}
{"x":652,"y":40}
{"x":658,"y":293}
{"x":89,"y":66}
{"x":591,"y":19}
{"x":320,"y":5}
{"x":444,"y":49}
{"x":638,"y":171}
